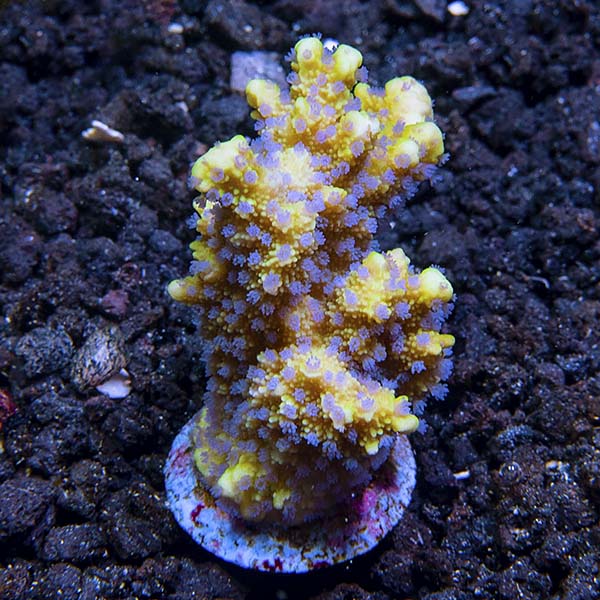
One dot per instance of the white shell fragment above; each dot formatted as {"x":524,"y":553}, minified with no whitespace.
{"x":101,"y":132}
{"x":330,"y":44}
{"x":358,"y":527}
{"x":458,"y":9}
{"x":117,"y":387}
{"x":175,"y":28}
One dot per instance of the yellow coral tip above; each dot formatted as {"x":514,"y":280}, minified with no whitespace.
{"x":376,"y":264}
{"x":399,"y":257}
{"x":259,"y":91}
{"x":308,"y":50}
{"x":372,"y":447}
{"x":403,"y":85}
{"x":434,"y":286}
{"x":346,"y":60}
{"x":221,"y":157}
{"x":279,"y":498}
{"x":428,"y":135}
{"x":176,"y":290}
{"x":406,"y":424}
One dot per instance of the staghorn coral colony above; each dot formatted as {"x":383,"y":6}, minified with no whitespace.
{"x":317,"y":346}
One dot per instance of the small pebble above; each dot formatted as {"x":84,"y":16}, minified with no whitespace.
{"x":101,"y":356}
{"x":44,"y":350}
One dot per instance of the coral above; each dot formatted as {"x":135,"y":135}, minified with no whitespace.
{"x":317,"y":346}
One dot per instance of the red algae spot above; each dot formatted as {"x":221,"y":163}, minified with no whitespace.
{"x":194,"y":514}
{"x":7,"y":406}
{"x":276,"y":565}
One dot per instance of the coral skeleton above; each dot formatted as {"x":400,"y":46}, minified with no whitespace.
{"x":318,"y":346}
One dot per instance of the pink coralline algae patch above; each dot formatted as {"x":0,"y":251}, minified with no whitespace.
{"x":180,"y":462}
{"x":368,"y":502}
{"x":194,"y":514}
{"x":275,"y":566}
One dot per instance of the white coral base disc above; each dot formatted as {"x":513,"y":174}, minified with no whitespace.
{"x":358,"y":527}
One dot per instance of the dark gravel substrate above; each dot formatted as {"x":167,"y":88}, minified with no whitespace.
{"x":507,"y":498}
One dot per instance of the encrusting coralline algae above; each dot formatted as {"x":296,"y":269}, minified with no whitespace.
{"x":317,"y":346}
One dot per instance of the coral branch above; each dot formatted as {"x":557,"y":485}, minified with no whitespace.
{"x":316,"y":345}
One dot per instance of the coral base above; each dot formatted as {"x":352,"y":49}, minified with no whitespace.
{"x":357,"y":528}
